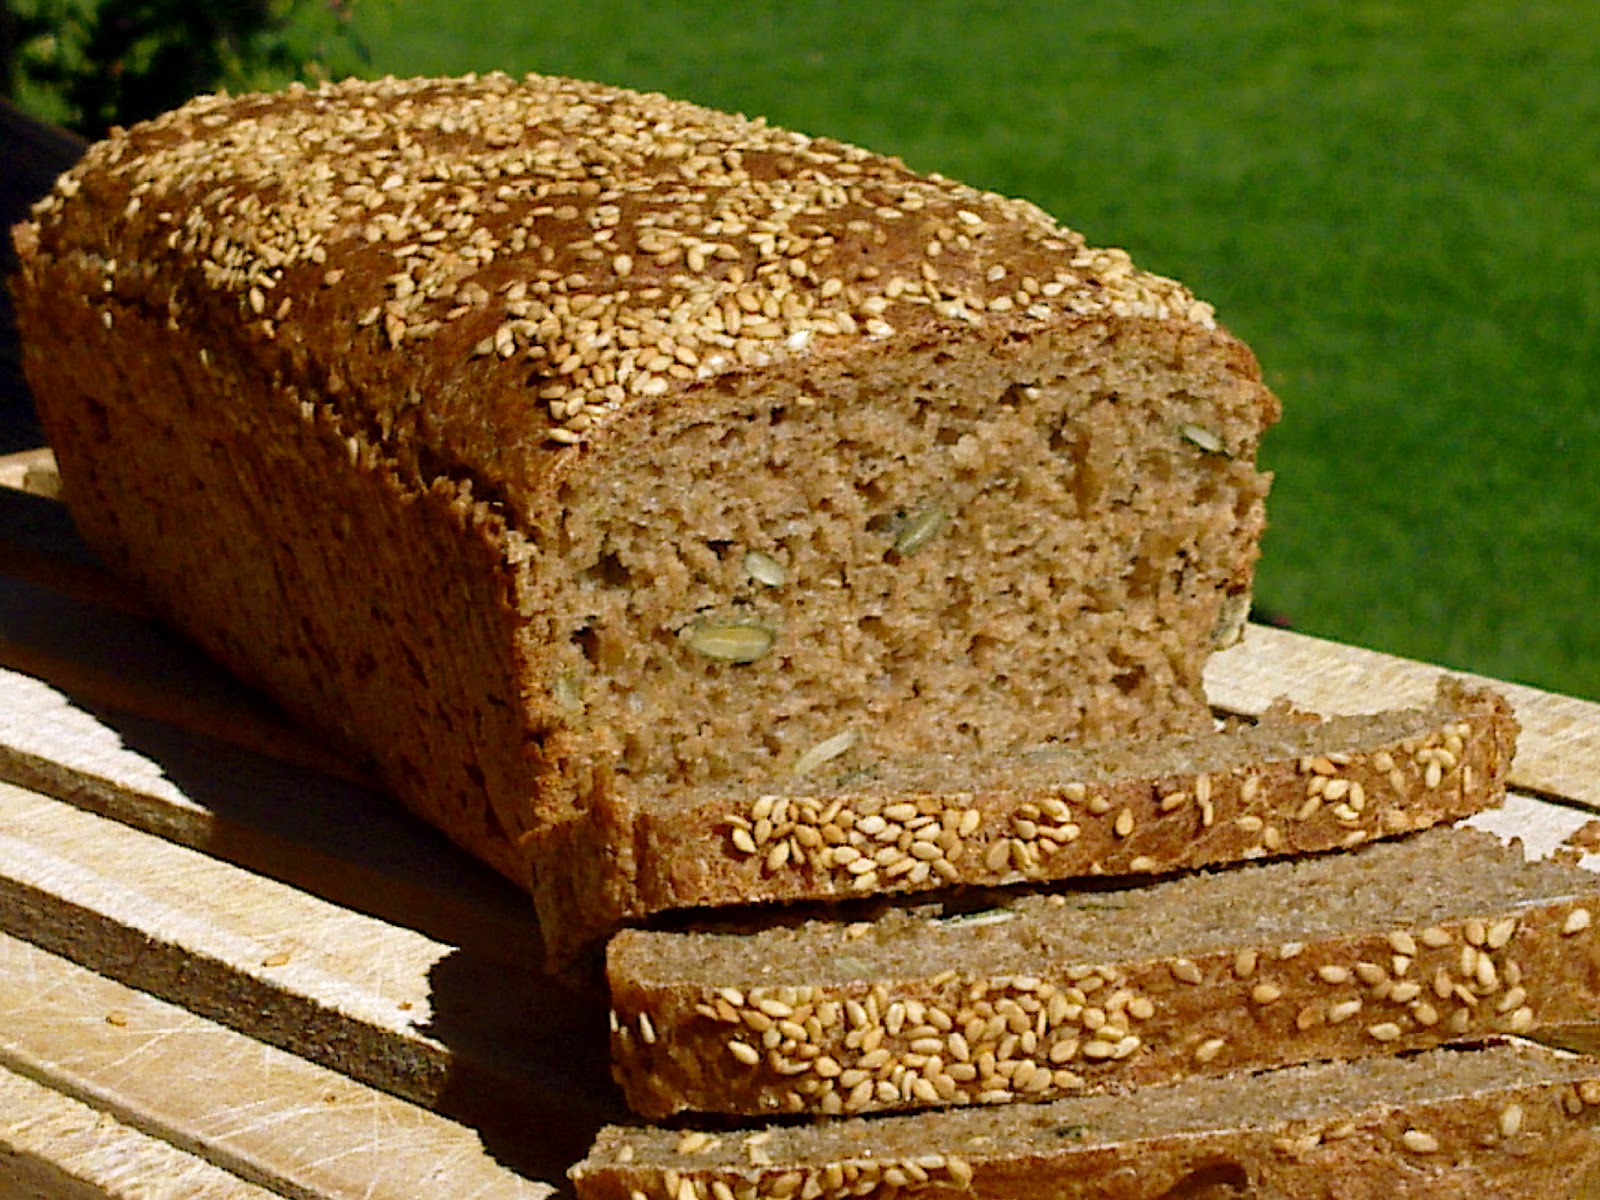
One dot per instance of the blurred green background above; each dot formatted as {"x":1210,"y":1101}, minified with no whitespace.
{"x":1397,"y":205}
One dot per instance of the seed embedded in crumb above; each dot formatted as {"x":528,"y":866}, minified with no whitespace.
{"x":1577,"y":921}
{"x":920,"y":528}
{"x":765,"y":569}
{"x":1204,"y":439}
{"x":1511,"y":1120}
{"x":826,"y":751}
{"x":731,"y":639}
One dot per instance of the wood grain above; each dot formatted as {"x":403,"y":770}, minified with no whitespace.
{"x":263,"y":1115}
{"x":53,"y":1147}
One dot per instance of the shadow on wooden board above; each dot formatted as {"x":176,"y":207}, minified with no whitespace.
{"x":517,"y":1057}
{"x":32,"y":154}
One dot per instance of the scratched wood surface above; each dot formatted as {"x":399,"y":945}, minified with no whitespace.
{"x":229,"y":967}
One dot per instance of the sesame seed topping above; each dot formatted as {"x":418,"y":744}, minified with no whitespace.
{"x":1185,"y":971}
{"x":1418,"y":1142}
{"x":1208,"y":1050}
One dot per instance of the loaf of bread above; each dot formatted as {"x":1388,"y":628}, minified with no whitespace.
{"x":1288,"y":784}
{"x":569,"y":451}
{"x":1500,"y":1122}
{"x":1394,"y":947}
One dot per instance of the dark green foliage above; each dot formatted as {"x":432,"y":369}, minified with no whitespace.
{"x":92,"y":65}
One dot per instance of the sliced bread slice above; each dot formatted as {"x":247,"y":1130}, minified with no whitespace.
{"x":1507,"y":1121}
{"x":1290,"y":784}
{"x":1396,"y":946}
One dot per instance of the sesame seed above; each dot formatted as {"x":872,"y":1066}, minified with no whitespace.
{"x":1343,"y":1011}
{"x":1265,"y":993}
{"x":1385,"y":1031}
{"x":1501,"y":933}
{"x":1208,"y":1050}
{"x":1418,"y":1142}
{"x":1577,"y":921}
{"x":1371,"y":974}
{"x":744,"y":1052}
{"x":694,"y":1141}
{"x":1185,"y":971}
{"x":1510,"y":1120}
{"x":1512,"y":999}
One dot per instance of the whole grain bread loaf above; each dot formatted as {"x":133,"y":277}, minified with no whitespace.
{"x":1507,"y":1121}
{"x":1393,"y":947}
{"x":1291,"y":783}
{"x":568,"y":450}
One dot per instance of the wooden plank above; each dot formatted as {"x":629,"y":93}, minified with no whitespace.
{"x":261,"y":1114}
{"x":31,"y":471}
{"x":380,"y":1003}
{"x":1558,"y":753}
{"x":347,"y":844}
{"x":53,"y":1147}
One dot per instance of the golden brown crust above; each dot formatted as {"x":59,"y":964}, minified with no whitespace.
{"x":1032,"y":819}
{"x":1507,"y":1122}
{"x":1056,"y":999}
{"x":672,"y":244}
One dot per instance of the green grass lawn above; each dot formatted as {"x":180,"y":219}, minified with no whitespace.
{"x":1397,"y":205}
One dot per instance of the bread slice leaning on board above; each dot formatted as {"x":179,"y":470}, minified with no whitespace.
{"x":1290,"y":783}
{"x":1507,"y":1121}
{"x":1447,"y":934}
{"x":569,"y":451}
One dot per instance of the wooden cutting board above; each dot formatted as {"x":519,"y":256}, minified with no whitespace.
{"x":230,"y":968}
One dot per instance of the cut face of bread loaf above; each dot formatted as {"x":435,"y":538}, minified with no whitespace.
{"x":1445,"y":935}
{"x":1289,"y":784}
{"x":1508,"y":1121}
{"x":565,"y":449}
